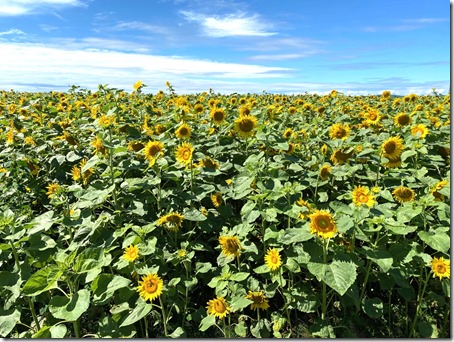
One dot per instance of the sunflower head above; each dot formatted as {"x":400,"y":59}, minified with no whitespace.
{"x":325,"y":171}
{"x":153,"y":149}
{"x":217,"y":115}
{"x":322,"y":224}
{"x":273,"y":259}
{"x":259,"y":300}
{"x":245,"y":126}
{"x":184,"y":153}
{"x":402,"y":119}
{"x":218,"y":307}
{"x":340,"y":157}
{"x":131,"y":253}
{"x":362,"y":195}
{"x":288,"y":133}
{"x":183,"y":132}
{"x":441,"y":268}
{"x":420,"y":131}
{"x":216,"y":198}
{"x":245,"y":110}
{"x":392,"y":148}
{"x":230,"y":245}
{"x":339,"y":131}
{"x":52,"y":189}
{"x":150,"y":287}
{"x":172,"y":221}
{"x":440,"y":185}
{"x":209,"y":163}
{"x":404,"y":194}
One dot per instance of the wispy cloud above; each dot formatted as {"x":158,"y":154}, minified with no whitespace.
{"x":405,"y":25}
{"x":139,"y":26}
{"x":231,"y":25}
{"x":12,"y":32}
{"x":24,"y":7}
{"x":380,"y":65}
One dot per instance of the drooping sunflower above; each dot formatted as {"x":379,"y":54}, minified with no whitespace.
{"x":184,"y":153}
{"x":52,"y":189}
{"x":441,"y":268}
{"x":362,"y":195}
{"x":392,"y":148}
{"x":325,"y":171}
{"x":135,"y":146}
{"x":245,"y":110}
{"x":216,"y":199}
{"x":217,"y":115}
{"x":183,"y":131}
{"x":245,"y":126}
{"x":393,"y":163}
{"x":230,"y":245}
{"x":403,"y":194}
{"x":340,"y":157}
{"x":322,"y":224}
{"x":402,"y":119}
{"x":131,"y":253}
{"x":420,"y":130}
{"x":218,"y":307}
{"x":76,"y":175}
{"x":172,"y":221}
{"x":273,"y":259}
{"x":153,"y":149}
{"x":440,"y":185}
{"x":339,"y":131}
{"x":150,"y":287}
{"x":259,"y":300}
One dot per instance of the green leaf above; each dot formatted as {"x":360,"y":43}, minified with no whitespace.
{"x":294,"y":235}
{"x":43,"y":280}
{"x":261,"y":329}
{"x":70,"y":309}
{"x":398,"y":228}
{"x":203,"y":267}
{"x":40,"y":223}
{"x":58,"y":331}
{"x":406,"y":213}
{"x":382,"y":258}
{"x":240,"y":276}
{"x":8,"y":278}
{"x":238,"y":303}
{"x":141,"y":309}
{"x":407,"y":154}
{"x":178,"y":333}
{"x":373,"y":307}
{"x":241,"y":329}
{"x":194,"y":215}
{"x":104,"y":286}
{"x":8,"y":320}
{"x":440,"y":241}
{"x":339,"y":275}
{"x":428,"y":330}
{"x":207,"y":322}
{"x":72,"y":157}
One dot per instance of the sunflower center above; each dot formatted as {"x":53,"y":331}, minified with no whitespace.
{"x":403,"y":120}
{"x":441,"y":268}
{"x":363,"y":198}
{"x":218,"y":116}
{"x":183,"y":131}
{"x":153,"y":150}
{"x":151,"y":286}
{"x":246,"y":125}
{"x":340,"y":133}
{"x":186,"y":154}
{"x":323,"y":223}
{"x":390,"y":147}
{"x":219,"y":306}
{"x":274,"y":259}
{"x":373,"y":116}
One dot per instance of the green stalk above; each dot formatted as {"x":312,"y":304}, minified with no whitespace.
{"x":325,"y":248}
{"x":366,"y":278}
{"x":112,"y":179}
{"x":164,"y":317}
{"x":418,"y":307}
{"x":287,"y":313}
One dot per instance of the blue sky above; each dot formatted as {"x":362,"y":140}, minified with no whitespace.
{"x":354,"y":46}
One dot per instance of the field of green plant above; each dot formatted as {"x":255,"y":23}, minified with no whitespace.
{"x":127,"y":214}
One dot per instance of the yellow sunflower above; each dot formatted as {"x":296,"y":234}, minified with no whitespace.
{"x":325,"y":171}
{"x":245,"y":126}
{"x":245,"y":110}
{"x":76,"y":175}
{"x":150,"y":287}
{"x":52,"y":189}
{"x":273,"y":259}
{"x":217,"y":115}
{"x":324,"y":149}
{"x":184,"y":153}
{"x":420,"y":131}
{"x":402,"y":119}
{"x":230,"y":245}
{"x":393,"y":163}
{"x":373,"y":117}
{"x":172,"y":221}
{"x":259,"y":300}
{"x":440,"y":185}
{"x":183,"y":132}
{"x":362,"y":195}
{"x":288,"y":133}
{"x":153,"y":149}
{"x":209,"y":163}
{"x":404,"y":194}
{"x":392,"y":148}
{"x":441,"y":268}
{"x":340,"y":157}
{"x":322,"y":224}
{"x":135,"y":146}
{"x":131,"y":253}
{"x":339,"y":131}
{"x":216,"y":198}
{"x":137,"y":85}
{"x":218,"y":307}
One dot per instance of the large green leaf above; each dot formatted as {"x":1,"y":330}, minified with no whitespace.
{"x":40,"y":223}
{"x":373,"y":307}
{"x":105,"y":285}
{"x":141,"y":310}
{"x":238,"y":303}
{"x":8,"y":320}
{"x":339,"y":275}
{"x":294,"y":235}
{"x":207,"y":322}
{"x":384,"y":259}
{"x":70,"y":309}
{"x":440,"y":240}
{"x":43,"y":280}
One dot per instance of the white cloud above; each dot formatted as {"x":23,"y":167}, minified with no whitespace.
{"x":425,"y":20}
{"x":23,"y":7}
{"x":13,"y":32}
{"x":139,"y":26}
{"x":230,"y":25}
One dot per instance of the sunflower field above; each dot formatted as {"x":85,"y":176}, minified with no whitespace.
{"x":132,"y":214}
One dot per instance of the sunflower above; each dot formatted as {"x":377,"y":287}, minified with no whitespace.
{"x":273,"y":259}
{"x":245,"y":110}
{"x":153,"y":149}
{"x":135,"y":146}
{"x":52,"y":189}
{"x":198,"y":108}
{"x":420,"y":131}
{"x":218,"y":307}
{"x":372,"y":116}
{"x":137,"y":85}
{"x":106,"y":121}
{"x":325,"y":171}
{"x":184,"y":153}
{"x":386,"y":94}
{"x":216,"y":198}
{"x":209,"y":163}
{"x":172,"y":221}
{"x":441,"y":268}
{"x":362,"y":195}
{"x":76,"y":175}
{"x":404,"y":194}
{"x":150,"y":287}
{"x":131,"y":253}
{"x":245,"y":125}
{"x":339,"y":131}
{"x":288,"y":133}
{"x":87,"y":173}
{"x":217,"y":115}
{"x":340,"y":157}
{"x":393,"y":163}
{"x":402,"y":119}
{"x":322,"y":224}
{"x":440,"y":185}
{"x":324,"y":149}
{"x":259,"y":300}
{"x":392,"y":148}
{"x":183,"y":132}
{"x":230,"y":245}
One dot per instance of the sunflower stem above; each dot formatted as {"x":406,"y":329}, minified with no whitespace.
{"x":112,"y":178}
{"x":418,"y":307}
{"x":164,"y":317}
{"x":325,"y":248}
